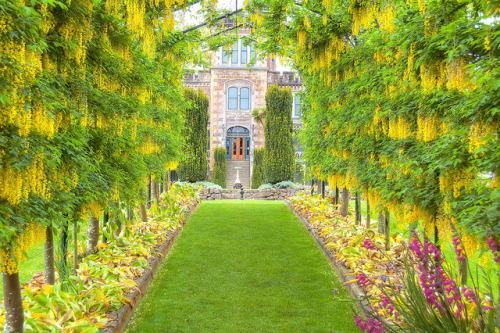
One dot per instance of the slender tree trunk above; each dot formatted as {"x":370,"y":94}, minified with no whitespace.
{"x":75,"y":250}
{"x":337,"y":196}
{"x":92,"y":235}
{"x":344,"y":210}
{"x":387,"y":230}
{"x":14,"y":314}
{"x":167,"y":181}
{"x":156,"y":194}
{"x":368,"y":217}
{"x":130,"y":214}
{"x":358,"y":209}
{"x":64,"y":243}
{"x":50,"y":276}
{"x":105,"y":220}
{"x":312,"y":187}
{"x":116,"y":220}
{"x":322,"y":189}
{"x":144,"y":214}
{"x":381,"y":222}
{"x":148,"y":203}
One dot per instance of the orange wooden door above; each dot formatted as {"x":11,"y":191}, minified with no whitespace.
{"x":238,"y":146}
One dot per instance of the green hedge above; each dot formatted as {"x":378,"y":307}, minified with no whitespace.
{"x":278,"y":131}
{"x":220,"y":167}
{"x":259,"y":170}
{"x":194,"y":166}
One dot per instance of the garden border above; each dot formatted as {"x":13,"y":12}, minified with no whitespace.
{"x":343,"y":273}
{"x":118,"y":319}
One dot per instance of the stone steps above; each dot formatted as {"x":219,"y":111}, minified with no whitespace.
{"x":244,"y":173}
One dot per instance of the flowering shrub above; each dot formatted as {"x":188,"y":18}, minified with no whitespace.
{"x":430,"y":299}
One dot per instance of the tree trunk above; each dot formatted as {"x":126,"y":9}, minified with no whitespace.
{"x":92,"y":235}
{"x":322,"y":189}
{"x":167,"y":181}
{"x":130,"y":214}
{"x":358,"y":209}
{"x":75,"y":250}
{"x":14,"y":314}
{"x":50,"y":276}
{"x":105,"y":220}
{"x":381,"y":222}
{"x":156,"y":194}
{"x":64,"y":244}
{"x":148,"y":202}
{"x":387,"y":230}
{"x":337,"y":196}
{"x":312,"y":187}
{"x":368,"y":217}
{"x":144,"y":214}
{"x":344,"y":210}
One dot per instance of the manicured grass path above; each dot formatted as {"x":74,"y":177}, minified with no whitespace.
{"x":244,"y":266}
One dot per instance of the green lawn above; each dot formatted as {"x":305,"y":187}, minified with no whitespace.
{"x":244,"y":266}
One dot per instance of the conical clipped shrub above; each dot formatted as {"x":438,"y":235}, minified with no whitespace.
{"x":194,"y":166}
{"x":259,"y":169}
{"x":220,"y":167}
{"x":278,"y":131}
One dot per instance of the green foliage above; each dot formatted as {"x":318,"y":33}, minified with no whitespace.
{"x":286,"y":184}
{"x":194,"y":166}
{"x":404,"y":106}
{"x":259,"y":169}
{"x":220,"y":166}
{"x":278,"y":130}
{"x":203,"y":185}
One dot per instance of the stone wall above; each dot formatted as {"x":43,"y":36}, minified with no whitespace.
{"x":271,"y":194}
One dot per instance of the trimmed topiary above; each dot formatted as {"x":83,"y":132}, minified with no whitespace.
{"x":195,"y":166}
{"x":220,"y":167}
{"x":259,"y":170}
{"x":278,"y":131}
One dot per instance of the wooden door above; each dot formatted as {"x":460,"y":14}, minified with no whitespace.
{"x":238,"y":146}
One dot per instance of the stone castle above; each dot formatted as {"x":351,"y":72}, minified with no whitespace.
{"x":234,"y":90}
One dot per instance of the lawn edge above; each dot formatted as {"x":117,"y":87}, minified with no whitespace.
{"x":344,"y":274}
{"x":119,"y":319}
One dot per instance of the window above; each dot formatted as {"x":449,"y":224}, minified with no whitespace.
{"x":238,"y":131}
{"x":232,"y":101}
{"x":239,"y":54}
{"x":243,"y":55}
{"x":297,"y":106}
{"x":234,"y":55}
{"x":244,"y":99}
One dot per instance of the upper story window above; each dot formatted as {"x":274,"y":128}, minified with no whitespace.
{"x":296,"y":106}
{"x":239,"y":54}
{"x":238,"y":99}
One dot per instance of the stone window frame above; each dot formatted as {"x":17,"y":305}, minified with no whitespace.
{"x":238,"y":83}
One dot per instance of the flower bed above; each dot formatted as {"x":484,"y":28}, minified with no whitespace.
{"x":408,"y":288}
{"x":106,"y":279}
{"x":355,"y":247}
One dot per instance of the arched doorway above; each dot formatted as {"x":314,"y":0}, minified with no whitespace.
{"x":238,"y":143}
